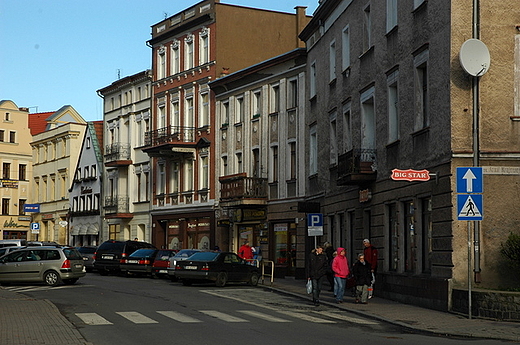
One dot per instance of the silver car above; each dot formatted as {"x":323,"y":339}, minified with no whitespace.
{"x":51,"y":265}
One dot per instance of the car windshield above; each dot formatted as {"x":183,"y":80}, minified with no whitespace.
{"x":204,"y":256}
{"x":72,"y":254}
{"x":143,"y":253}
{"x":185,"y":253}
{"x":86,"y":250}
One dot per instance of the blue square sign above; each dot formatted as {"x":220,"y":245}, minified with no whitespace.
{"x":470,"y":180}
{"x":470,"y":207}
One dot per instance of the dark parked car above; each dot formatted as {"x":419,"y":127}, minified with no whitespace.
{"x":88,"y":256}
{"x":50,"y":265}
{"x":183,"y":254}
{"x":139,"y":262}
{"x":218,"y":267}
{"x":110,"y":253}
{"x":162,"y":262}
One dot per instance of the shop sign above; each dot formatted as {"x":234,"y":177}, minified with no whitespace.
{"x":410,"y":175}
{"x":31,"y":208}
{"x":8,"y":184}
{"x":12,"y":224}
{"x":24,"y":219}
{"x":253,"y":214}
{"x":365,"y":195}
{"x":225,"y":222}
{"x":48,"y":216}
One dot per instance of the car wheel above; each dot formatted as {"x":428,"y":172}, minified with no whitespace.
{"x":51,"y":278}
{"x":253,"y":280}
{"x":186,"y":282}
{"x":70,"y":281}
{"x":221,"y":279}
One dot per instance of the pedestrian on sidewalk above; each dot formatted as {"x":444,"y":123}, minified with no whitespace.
{"x":341,"y":271}
{"x":318,"y":265}
{"x":370,"y":253}
{"x":245,"y":251}
{"x":363,"y":275}
{"x":329,"y":251}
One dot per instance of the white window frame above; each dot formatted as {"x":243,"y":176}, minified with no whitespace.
{"x":189,"y":52}
{"x":175,"y":57}
{"x":204,"y":108}
{"x":204,"y":45}
{"x":161,"y":63}
{"x":391,"y":15}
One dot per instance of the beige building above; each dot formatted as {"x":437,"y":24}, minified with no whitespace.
{"x":16,"y":163}
{"x":56,"y":144}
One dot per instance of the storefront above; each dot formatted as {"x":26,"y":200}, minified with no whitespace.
{"x":184,"y":231}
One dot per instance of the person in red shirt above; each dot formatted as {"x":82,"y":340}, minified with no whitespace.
{"x":245,"y":251}
{"x":370,"y":253}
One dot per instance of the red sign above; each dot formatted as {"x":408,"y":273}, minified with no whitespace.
{"x":410,"y":175}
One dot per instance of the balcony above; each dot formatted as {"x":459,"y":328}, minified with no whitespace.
{"x":357,"y":167}
{"x":117,"y":155}
{"x":172,"y":140}
{"x":239,"y":189}
{"x":117,"y":207}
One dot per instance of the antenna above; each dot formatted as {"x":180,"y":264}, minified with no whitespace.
{"x":474,"y":57}
{"x":118,"y":74}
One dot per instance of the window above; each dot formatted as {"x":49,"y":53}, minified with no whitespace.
{"x":176,"y":57}
{"x":12,"y":136}
{"x":410,"y":246}
{"x":161,"y":118}
{"x":22,"y":172}
{"x":239,"y":111}
{"x":225,"y":113}
{"x":312,"y":82}
{"x":204,"y":46}
{"x":275,"y":98}
{"x":332,"y":61}
{"x":188,"y":168}
{"x":313,"y":150}
{"x":391,"y":14}
{"x":2,"y":135}
{"x":417,"y":3}
{"x":422,"y":119}
{"x":93,"y":171}
{"x":204,"y":178}
{"x":21,"y":206}
{"x":95,"y":204}
{"x":347,"y":128}
{"x":189,"y":56}
{"x":175,"y":119}
{"x":257,"y":104}
{"x":333,"y":139}
{"x":292,"y":94}
{"x":292,"y":161}
{"x":7,"y":117}
{"x":426,"y":226}
{"x":6,"y":171}
{"x":393,"y":226}
{"x":161,"y":63}
{"x":204,"y":109}
{"x":188,"y":116}
{"x":86,"y":173}
{"x":345,"y":48}
{"x":256,"y":163}
{"x":225,"y":170}
{"x":367,"y":26}
{"x":88,"y":143}
{"x":368,"y":121}
{"x":5,"y":206}
{"x":239,"y":165}
{"x":393,"y":107}
{"x":274,"y":170}
{"x":174,"y":180}
{"x":161,"y":180}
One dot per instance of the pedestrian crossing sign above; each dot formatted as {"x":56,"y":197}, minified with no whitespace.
{"x":470,"y":207}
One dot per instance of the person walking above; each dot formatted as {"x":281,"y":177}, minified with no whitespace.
{"x":363,"y":275}
{"x":370,"y":253}
{"x":245,"y":251}
{"x":318,"y":266}
{"x":341,"y":271}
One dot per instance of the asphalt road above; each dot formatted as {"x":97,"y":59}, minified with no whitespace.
{"x":114,"y":310}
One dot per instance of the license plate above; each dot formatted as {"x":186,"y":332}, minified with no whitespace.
{"x":190,"y":267}
{"x":133,"y":261}
{"x":86,"y":259}
{"x":163,"y":271}
{"x":107,"y":257}
{"x":78,"y":265}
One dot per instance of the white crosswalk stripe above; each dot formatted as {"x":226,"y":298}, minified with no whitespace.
{"x":179,"y":316}
{"x":346,"y":318}
{"x":305,"y":317}
{"x":262,"y":316}
{"x":93,"y":319}
{"x":136,"y":317}
{"x":222,"y":316}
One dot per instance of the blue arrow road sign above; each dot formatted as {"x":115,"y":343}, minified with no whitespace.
{"x":470,"y":180}
{"x":470,"y":207}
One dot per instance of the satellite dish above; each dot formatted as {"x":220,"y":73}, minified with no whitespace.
{"x":474,"y":57}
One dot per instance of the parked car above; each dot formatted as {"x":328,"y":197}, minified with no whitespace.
{"x":110,"y":253}
{"x":139,"y":262}
{"x":218,"y":267}
{"x":50,"y":265}
{"x":6,"y":250}
{"x":13,"y":243}
{"x":162,"y":262}
{"x":183,"y":254}
{"x":88,"y":253}
{"x":42,"y":243}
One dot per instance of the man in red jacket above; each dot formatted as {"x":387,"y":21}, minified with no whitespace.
{"x":370,"y":253}
{"x":245,"y":251}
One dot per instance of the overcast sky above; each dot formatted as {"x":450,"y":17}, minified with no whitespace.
{"x":59,"y":52}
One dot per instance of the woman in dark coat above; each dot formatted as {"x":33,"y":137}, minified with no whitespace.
{"x":318,"y":265}
{"x":363,"y":274}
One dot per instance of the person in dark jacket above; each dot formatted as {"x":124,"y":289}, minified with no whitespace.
{"x":363,"y":274}
{"x":318,"y":265}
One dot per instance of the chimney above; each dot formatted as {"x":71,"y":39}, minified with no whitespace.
{"x":300,"y":24}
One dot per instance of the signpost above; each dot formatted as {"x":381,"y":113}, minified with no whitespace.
{"x":315,"y":225}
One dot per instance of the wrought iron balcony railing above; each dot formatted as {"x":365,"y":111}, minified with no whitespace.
{"x":117,"y":204}
{"x":170,"y":134}
{"x":117,"y":152}
{"x":357,"y":166}
{"x":239,"y":186}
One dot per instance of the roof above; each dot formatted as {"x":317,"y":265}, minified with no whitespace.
{"x":41,"y":122}
{"x":38,"y":122}
{"x":98,"y":127}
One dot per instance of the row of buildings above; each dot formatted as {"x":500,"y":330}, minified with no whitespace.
{"x":249,"y":120}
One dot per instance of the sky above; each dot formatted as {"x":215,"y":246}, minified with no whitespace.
{"x":60,"y":52}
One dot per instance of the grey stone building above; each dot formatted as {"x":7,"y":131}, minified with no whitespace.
{"x":386,"y":91}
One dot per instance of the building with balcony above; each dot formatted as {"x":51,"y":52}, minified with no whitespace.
{"x":56,"y":143}
{"x":16,"y":163}
{"x":127,"y":172}
{"x":84,"y":219}
{"x":386,"y":91}
{"x":189,"y":50}
{"x":260,"y":116}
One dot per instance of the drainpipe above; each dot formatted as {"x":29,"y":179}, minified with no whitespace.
{"x":476,"y":137}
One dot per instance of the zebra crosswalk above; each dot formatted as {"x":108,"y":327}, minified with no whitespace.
{"x":239,"y":316}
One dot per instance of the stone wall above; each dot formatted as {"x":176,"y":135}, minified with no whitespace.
{"x":498,"y":305}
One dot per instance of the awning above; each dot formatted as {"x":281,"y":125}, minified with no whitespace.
{"x":93,"y":229}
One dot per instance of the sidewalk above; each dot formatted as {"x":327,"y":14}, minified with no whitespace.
{"x":405,"y":315}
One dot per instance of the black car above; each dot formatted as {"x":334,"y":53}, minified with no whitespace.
{"x":110,"y":253}
{"x":183,"y":254}
{"x":218,"y":267}
{"x":88,"y":253}
{"x":139,"y":262}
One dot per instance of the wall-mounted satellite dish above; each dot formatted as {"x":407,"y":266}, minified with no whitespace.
{"x":474,"y":57}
